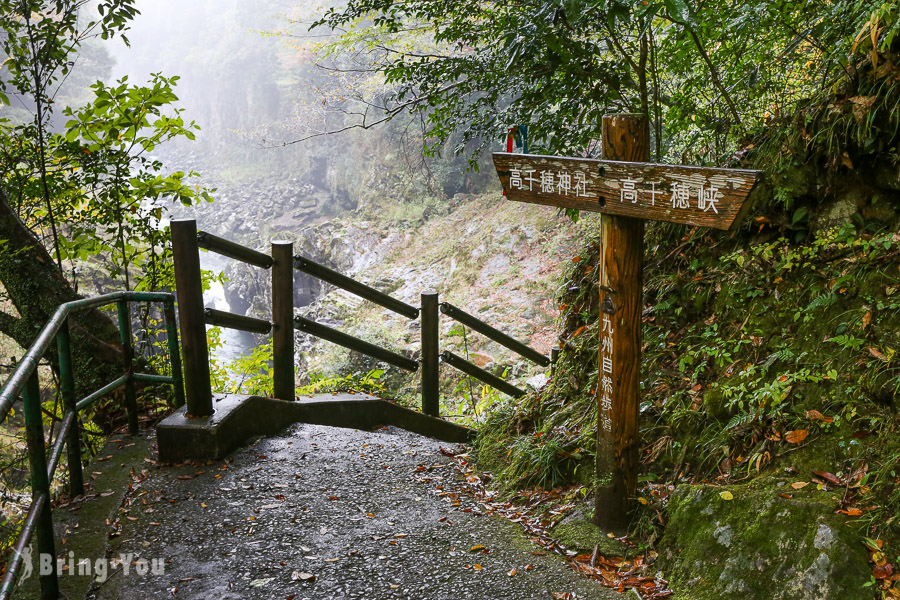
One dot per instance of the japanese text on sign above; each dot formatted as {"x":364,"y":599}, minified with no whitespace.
{"x":549,"y":182}
{"x":606,"y":369}
{"x":682,"y":197}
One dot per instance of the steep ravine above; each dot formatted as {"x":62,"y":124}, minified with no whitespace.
{"x":496,"y":259}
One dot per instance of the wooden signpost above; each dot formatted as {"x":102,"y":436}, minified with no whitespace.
{"x":628,"y":191}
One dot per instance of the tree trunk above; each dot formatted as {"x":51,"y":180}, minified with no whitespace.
{"x":36,"y":288}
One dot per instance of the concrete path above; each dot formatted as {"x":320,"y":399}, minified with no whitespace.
{"x":323,"y":513}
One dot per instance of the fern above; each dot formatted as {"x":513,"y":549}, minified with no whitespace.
{"x":739,"y":420}
{"x":821,"y":301}
{"x":783,"y":355}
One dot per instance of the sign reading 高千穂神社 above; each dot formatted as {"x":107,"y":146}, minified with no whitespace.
{"x":703,"y":196}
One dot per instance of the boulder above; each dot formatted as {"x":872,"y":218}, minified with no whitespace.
{"x":747,"y":541}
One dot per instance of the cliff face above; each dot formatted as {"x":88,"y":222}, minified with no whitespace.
{"x":495,"y":259}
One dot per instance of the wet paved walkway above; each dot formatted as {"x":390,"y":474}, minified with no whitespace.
{"x":323,"y":513}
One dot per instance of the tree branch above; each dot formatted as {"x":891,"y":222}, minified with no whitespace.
{"x":715,"y":76}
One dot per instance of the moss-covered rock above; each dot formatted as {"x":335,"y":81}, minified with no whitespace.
{"x":761,"y":545}
{"x":576,"y":532}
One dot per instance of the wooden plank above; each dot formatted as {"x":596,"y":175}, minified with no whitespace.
{"x":702,"y":196}
{"x":619,"y":383}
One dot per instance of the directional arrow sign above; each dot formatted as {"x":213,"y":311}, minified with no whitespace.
{"x":703,"y":196}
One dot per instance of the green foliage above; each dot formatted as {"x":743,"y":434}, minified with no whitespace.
{"x":369,"y":383}
{"x":703,"y":69}
{"x":119,"y":215}
{"x":94,"y":189}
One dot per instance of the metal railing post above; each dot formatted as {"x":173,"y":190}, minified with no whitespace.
{"x":283,"y":319}
{"x":431,"y":393}
{"x":67,"y":390}
{"x":40,"y":483}
{"x":128,"y":355}
{"x":189,"y":290}
{"x":174,"y":353}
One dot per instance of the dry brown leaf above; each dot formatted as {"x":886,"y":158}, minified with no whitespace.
{"x":799,"y":485}
{"x":829,"y":477}
{"x":796,"y":436}
{"x":878,"y":354}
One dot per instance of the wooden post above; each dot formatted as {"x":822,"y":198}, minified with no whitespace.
{"x":431,"y":391}
{"x":627,"y":191}
{"x":625,"y":138}
{"x":283,"y":319}
{"x":189,"y":290}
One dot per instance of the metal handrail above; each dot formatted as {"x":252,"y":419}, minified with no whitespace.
{"x":498,"y":336}
{"x":24,"y":381}
{"x":27,"y":365}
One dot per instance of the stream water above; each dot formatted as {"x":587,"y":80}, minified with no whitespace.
{"x":235,"y":343}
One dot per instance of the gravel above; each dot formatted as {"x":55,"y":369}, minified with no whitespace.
{"x":324,"y":513}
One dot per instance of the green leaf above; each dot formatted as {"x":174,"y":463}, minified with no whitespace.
{"x":681,"y":11}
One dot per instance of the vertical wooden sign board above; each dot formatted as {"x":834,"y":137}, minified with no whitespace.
{"x":627,"y":191}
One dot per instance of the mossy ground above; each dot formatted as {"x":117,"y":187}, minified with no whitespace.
{"x":751,"y":342}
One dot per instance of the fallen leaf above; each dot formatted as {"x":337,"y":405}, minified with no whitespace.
{"x":512,"y":573}
{"x":726,"y":495}
{"x":477,"y":567}
{"x":302,"y":576}
{"x":883,"y":571}
{"x":878,"y":354}
{"x":799,"y":485}
{"x":871,"y":544}
{"x":851,"y":512}
{"x":476,"y":548}
{"x":261,"y":582}
{"x":829,"y":477}
{"x":796,"y":436}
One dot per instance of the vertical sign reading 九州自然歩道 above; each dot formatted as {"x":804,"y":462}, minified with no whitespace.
{"x":628,"y":191}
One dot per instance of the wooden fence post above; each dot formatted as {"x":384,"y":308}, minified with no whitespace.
{"x":626,"y":138}
{"x":189,"y":290}
{"x":283,"y":319}
{"x":431,"y":391}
